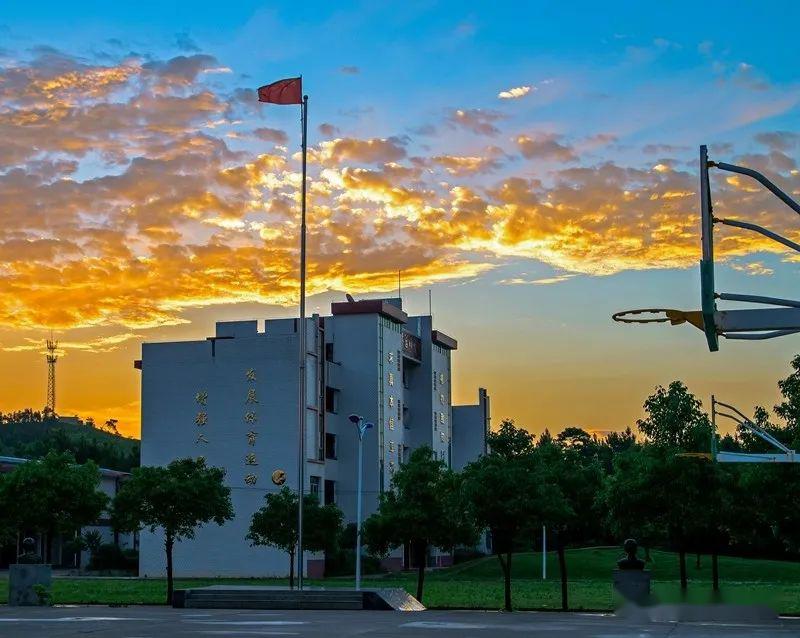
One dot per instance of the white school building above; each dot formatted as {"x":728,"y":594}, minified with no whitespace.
{"x":232,"y":399}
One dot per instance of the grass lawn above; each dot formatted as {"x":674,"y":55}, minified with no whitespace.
{"x":478,"y":584}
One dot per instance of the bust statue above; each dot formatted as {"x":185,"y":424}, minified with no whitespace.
{"x":630,"y":562}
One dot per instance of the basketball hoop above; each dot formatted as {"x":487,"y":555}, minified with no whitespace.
{"x":781,"y":319}
{"x":674,"y":317}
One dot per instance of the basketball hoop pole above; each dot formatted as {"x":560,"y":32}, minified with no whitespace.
{"x":713,"y":429}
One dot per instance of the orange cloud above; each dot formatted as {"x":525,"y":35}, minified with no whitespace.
{"x":178,"y":219}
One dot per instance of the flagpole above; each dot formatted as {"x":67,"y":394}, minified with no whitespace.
{"x":303,"y":408}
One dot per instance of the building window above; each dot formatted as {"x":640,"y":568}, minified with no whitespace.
{"x":330,"y":492}
{"x":399,"y":359}
{"x":441,"y":378}
{"x":391,"y":423}
{"x":390,"y":378}
{"x":329,"y":351}
{"x":441,"y":399}
{"x":442,"y":418}
{"x":331,"y":400}
{"x":390,"y":356}
{"x":398,"y":410}
{"x":441,"y":436}
{"x":441,"y":455}
{"x":434,"y":380}
{"x":330,"y":446}
{"x":321,"y":438}
{"x":435,"y":422}
{"x":391,"y":401}
{"x":314,"y":482}
{"x":391,"y":446}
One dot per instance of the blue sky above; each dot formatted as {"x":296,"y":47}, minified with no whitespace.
{"x":600,"y":150}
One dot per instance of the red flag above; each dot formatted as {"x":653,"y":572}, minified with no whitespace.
{"x":288,"y":91}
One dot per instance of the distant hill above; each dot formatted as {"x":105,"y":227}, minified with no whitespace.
{"x":29,"y":434}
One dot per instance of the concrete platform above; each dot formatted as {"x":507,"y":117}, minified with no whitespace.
{"x":263,"y":597}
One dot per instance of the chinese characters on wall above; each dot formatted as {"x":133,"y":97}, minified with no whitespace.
{"x":201,"y":419}
{"x":251,"y":419}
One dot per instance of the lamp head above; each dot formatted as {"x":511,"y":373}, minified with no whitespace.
{"x":355,"y":418}
{"x":369,"y":425}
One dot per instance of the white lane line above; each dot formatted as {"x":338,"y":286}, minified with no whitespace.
{"x":246,"y":622}
{"x":74,"y":619}
{"x":430,"y":624}
{"x":246,"y":632}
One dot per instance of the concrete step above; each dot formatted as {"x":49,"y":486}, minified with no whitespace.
{"x":270,"y":604}
{"x":264,"y":596}
{"x":272,"y":599}
{"x":277,"y":601}
{"x":260,"y":597}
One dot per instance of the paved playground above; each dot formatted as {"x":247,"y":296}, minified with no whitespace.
{"x":146,"y":622}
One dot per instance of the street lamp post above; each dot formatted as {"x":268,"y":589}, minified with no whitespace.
{"x":361,"y":427}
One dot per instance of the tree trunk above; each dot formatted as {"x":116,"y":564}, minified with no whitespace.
{"x":48,"y":548}
{"x":506,"y":565}
{"x":169,"y":541}
{"x":715,"y":570}
{"x":291,"y":570}
{"x":682,"y":559}
{"x":562,"y":567}
{"x":422,"y":555}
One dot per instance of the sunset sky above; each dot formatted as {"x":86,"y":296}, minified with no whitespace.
{"x":533,"y":164}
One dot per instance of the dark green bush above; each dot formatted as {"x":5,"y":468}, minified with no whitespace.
{"x":111,"y":556}
{"x":343,"y":563}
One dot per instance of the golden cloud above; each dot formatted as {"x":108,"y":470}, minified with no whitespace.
{"x":178,"y":219}
{"x":515,"y":93}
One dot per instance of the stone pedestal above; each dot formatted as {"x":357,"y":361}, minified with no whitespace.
{"x":21,"y":581}
{"x":632,"y":585}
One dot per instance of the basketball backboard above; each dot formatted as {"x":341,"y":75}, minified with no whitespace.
{"x":782,"y":318}
{"x":707,"y":301}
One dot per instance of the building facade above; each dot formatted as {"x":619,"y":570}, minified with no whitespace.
{"x":232,"y":399}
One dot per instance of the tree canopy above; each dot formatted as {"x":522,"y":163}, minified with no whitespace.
{"x":512,"y":493}
{"x":275,"y":525}
{"x":31,"y":435}
{"x":423,"y":508}
{"x":177,"y":499}
{"x":52,"y":495}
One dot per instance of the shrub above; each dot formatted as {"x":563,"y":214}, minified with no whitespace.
{"x":343,"y":563}
{"x":111,"y":556}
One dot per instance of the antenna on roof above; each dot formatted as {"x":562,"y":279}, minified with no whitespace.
{"x":399,"y":287}
{"x":430,"y":303}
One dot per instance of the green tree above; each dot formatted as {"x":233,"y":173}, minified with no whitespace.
{"x":777,"y":516}
{"x":675,"y":418}
{"x":675,"y":424}
{"x":275,"y":525}
{"x":574,"y":475}
{"x":52,"y":495}
{"x":511,"y":494}
{"x":422,"y":509}
{"x":177,"y":499}
{"x":631,"y":498}
{"x":789,"y":408}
